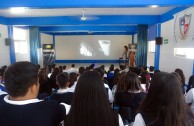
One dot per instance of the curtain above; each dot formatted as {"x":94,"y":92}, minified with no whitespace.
{"x":142,"y":42}
{"x":34,"y":44}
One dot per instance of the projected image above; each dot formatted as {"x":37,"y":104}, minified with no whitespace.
{"x":105,"y":46}
{"x":85,"y":50}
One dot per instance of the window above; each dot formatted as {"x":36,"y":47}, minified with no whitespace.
{"x":151,"y":46}
{"x":20,"y":40}
{"x":184,"y":52}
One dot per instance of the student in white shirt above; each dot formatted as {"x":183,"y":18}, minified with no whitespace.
{"x":164,"y":104}
{"x":72,"y":69}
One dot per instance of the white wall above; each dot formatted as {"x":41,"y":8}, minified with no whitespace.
{"x":150,"y":58}
{"x":169,"y":62}
{"x":4,"y":50}
{"x":46,"y":39}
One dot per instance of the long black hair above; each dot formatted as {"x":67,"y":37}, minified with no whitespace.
{"x":190,"y":83}
{"x":90,"y":106}
{"x":165,"y":102}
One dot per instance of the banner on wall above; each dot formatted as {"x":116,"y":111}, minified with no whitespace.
{"x":184,"y":26}
{"x":48,"y":54}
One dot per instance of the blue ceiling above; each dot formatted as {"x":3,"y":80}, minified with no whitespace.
{"x":121,"y":24}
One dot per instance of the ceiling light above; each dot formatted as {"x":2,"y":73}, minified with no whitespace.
{"x":154,"y":6}
{"x":18,"y":10}
{"x":83,"y":18}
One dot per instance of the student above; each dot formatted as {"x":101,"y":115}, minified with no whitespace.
{"x":164,"y":104}
{"x":72,"y":69}
{"x":52,"y":78}
{"x":124,"y":55}
{"x":90,"y":106}
{"x":63,"y":95}
{"x":20,"y":107}
{"x":81,"y":71}
{"x":181,"y":74}
{"x":129,"y":99}
{"x":190,"y":93}
{"x":64,"y":68}
{"x":2,"y":86}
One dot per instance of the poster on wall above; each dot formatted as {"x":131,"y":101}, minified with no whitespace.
{"x":184,"y":26}
{"x":48,"y":54}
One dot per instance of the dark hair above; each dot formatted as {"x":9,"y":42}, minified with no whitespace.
{"x":100,"y":71}
{"x":72,"y":65}
{"x":132,"y":82}
{"x":92,"y":66}
{"x":156,"y":71}
{"x":60,"y":68}
{"x":42,"y":75}
{"x":152,"y":68}
{"x":19,"y":77}
{"x":180,"y":72}
{"x":190,"y":83}
{"x":126,"y":48}
{"x":64,"y":67}
{"x":111,"y":68}
{"x":53,"y":77}
{"x":165,"y":102}
{"x":121,"y":82}
{"x":62,"y":79}
{"x":72,"y":78}
{"x":90,"y":106}
{"x":145,"y":79}
{"x":137,"y":70}
{"x":81,"y":70}
{"x":102,"y":67}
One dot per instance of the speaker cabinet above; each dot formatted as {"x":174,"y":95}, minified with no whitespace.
{"x":159,"y":40}
{"x":7,"y":41}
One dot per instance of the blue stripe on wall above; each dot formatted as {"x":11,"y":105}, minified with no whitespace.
{"x":157,"y":49}
{"x":11,"y":47}
{"x":89,"y":61}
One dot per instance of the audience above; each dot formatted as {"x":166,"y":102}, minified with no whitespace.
{"x":129,"y":99}
{"x":181,"y":74}
{"x":72,"y":69}
{"x":164,"y":104}
{"x":63,"y":95}
{"x":90,"y":106}
{"x":52,"y":78}
{"x":21,"y":107}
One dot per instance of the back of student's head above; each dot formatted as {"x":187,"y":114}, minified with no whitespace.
{"x":151,"y":69}
{"x":42,"y":75}
{"x":180,"y":72}
{"x":64,"y":67}
{"x":73,"y":65}
{"x":132,"y":82}
{"x":19,"y":77}
{"x":111,"y":68}
{"x":72,"y":78}
{"x":190,"y":83}
{"x":100,"y":71}
{"x":62,"y":80}
{"x":90,"y":106}
{"x":165,"y":101}
{"x":81,"y":70}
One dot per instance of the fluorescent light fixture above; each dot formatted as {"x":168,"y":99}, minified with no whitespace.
{"x":154,"y":6}
{"x":17,"y":10}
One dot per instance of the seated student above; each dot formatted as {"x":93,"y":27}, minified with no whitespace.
{"x":90,"y":106}
{"x":109,"y":92}
{"x":164,"y":104}
{"x":63,"y":95}
{"x":21,"y":107}
{"x":129,"y":99}
{"x":2,"y":86}
{"x":81,"y":71}
{"x":72,"y":69}
{"x":190,"y":93}
{"x":151,"y":71}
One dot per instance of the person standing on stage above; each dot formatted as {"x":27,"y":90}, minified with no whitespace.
{"x":124,"y":55}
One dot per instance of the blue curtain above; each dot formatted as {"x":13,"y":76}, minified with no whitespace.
{"x":142,"y":42}
{"x":34,"y":44}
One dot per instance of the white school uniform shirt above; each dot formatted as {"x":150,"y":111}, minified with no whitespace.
{"x":190,"y":98}
{"x":110,"y":96}
{"x":72,"y":88}
{"x":139,"y":120}
{"x":71,"y":70}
